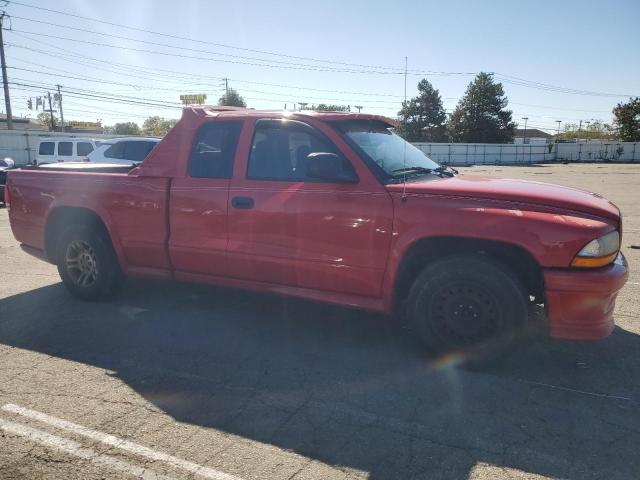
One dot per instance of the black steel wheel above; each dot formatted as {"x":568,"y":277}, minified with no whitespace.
{"x":467,"y":304}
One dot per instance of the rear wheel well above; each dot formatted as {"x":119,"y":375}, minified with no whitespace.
{"x":425,"y":251}
{"x":64,"y":217}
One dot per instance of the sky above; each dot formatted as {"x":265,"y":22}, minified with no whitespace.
{"x":557,"y":60}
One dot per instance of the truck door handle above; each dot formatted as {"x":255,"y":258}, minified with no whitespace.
{"x":242,"y":202}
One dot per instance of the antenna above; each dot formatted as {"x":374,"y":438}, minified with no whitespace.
{"x":404,"y":153}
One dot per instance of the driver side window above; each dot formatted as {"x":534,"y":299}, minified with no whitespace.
{"x":280,"y":151}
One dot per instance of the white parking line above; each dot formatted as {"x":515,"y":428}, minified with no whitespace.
{"x":75,"y":449}
{"x":114,"y":441}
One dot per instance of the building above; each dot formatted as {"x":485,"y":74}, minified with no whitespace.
{"x":20,"y":123}
{"x":533,"y":136}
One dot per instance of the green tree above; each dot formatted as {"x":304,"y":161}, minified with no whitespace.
{"x":595,"y":130}
{"x":323,"y":107}
{"x":126,"y":128}
{"x":481,"y":115}
{"x":425,"y":116}
{"x":157,"y":126}
{"x":45,"y":119}
{"x":627,"y":120}
{"x":232,"y":99}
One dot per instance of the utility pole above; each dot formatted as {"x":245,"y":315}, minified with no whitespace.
{"x":579,"y":130}
{"x":226,"y":87}
{"x":587,"y":129}
{"x":52,"y":124}
{"x":5,"y":81}
{"x":60,"y":105}
{"x":359,"y":107}
{"x":558,"y":135}
{"x":524,"y":135}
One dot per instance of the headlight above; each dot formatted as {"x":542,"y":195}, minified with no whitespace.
{"x":599,"y":252}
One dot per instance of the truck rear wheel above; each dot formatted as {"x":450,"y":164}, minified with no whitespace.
{"x":468,"y":305}
{"x":87,"y":264}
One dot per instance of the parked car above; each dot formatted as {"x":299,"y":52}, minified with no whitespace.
{"x":53,"y":150}
{"x":5,"y":164}
{"x":332,"y":207}
{"x":127,"y":151}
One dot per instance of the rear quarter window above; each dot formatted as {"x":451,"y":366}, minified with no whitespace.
{"x":214,"y":149}
{"x":115,"y":151}
{"x":84,"y":148}
{"x":138,"y":150}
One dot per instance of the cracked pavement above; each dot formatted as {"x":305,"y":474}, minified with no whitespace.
{"x":258,"y":387}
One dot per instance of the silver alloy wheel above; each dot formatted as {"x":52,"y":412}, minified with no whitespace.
{"x":81,"y":263}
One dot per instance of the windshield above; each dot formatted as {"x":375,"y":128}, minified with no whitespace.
{"x":395,"y":156}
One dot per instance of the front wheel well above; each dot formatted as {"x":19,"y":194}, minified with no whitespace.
{"x":427,"y":250}
{"x":62,"y":218}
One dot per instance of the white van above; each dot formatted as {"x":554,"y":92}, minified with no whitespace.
{"x":52,"y":150}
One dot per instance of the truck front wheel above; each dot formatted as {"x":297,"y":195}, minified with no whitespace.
{"x":87,"y":264}
{"x":467,"y":304}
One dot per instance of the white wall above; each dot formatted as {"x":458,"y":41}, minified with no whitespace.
{"x":486,"y":153}
{"x":598,"y":151}
{"x":22,"y":146}
{"x":513,"y":154}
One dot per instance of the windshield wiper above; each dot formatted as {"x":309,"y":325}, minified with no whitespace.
{"x":414,"y":169}
{"x":447,"y":170}
{"x":442,"y":171}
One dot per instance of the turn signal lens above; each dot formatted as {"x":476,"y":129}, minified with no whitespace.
{"x":599,"y":252}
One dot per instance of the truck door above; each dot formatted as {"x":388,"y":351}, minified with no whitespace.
{"x":198,"y":203}
{"x":290,"y":229}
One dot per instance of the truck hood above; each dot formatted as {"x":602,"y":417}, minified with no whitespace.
{"x":512,"y":190}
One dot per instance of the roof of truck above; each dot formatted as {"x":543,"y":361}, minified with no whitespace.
{"x":223,"y":111}
{"x":161,"y":162}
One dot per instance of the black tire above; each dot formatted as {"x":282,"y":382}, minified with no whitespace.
{"x":87,"y":264}
{"x":469,"y":305}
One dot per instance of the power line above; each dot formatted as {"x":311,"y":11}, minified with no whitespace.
{"x":555,"y":88}
{"x":559,"y":108}
{"x":372,"y":68}
{"x":102,"y":95}
{"x":178,"y":75}
{"x":252,"y":50}
{"x":159,"y":44}
{"x":126,"y":99}
{"x":236,"y":62}
{"x":181,"y":84}
{"x":287,"y":97}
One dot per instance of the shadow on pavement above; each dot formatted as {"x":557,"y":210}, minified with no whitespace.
{"x":347,"y":388}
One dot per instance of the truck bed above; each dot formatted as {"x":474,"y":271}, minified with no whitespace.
{"x":82,"y":167}
{"x":132,"y":208}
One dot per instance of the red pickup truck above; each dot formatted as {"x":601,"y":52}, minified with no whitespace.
{"x":331,"y":207}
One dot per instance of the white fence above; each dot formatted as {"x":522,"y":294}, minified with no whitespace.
{"x":512,"y":154}
{"x":22,"y":145}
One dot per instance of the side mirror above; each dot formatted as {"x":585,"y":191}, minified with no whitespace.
{"x":329,"y":167}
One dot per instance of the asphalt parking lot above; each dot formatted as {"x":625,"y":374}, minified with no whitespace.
{"x":183,"y":381}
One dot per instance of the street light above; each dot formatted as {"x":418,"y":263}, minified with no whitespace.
{"x":558,"y":135}
{"x":524,"y":135}
{"x":587,"y":128}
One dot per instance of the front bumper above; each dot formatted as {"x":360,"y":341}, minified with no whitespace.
{"x":580,"y":303}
